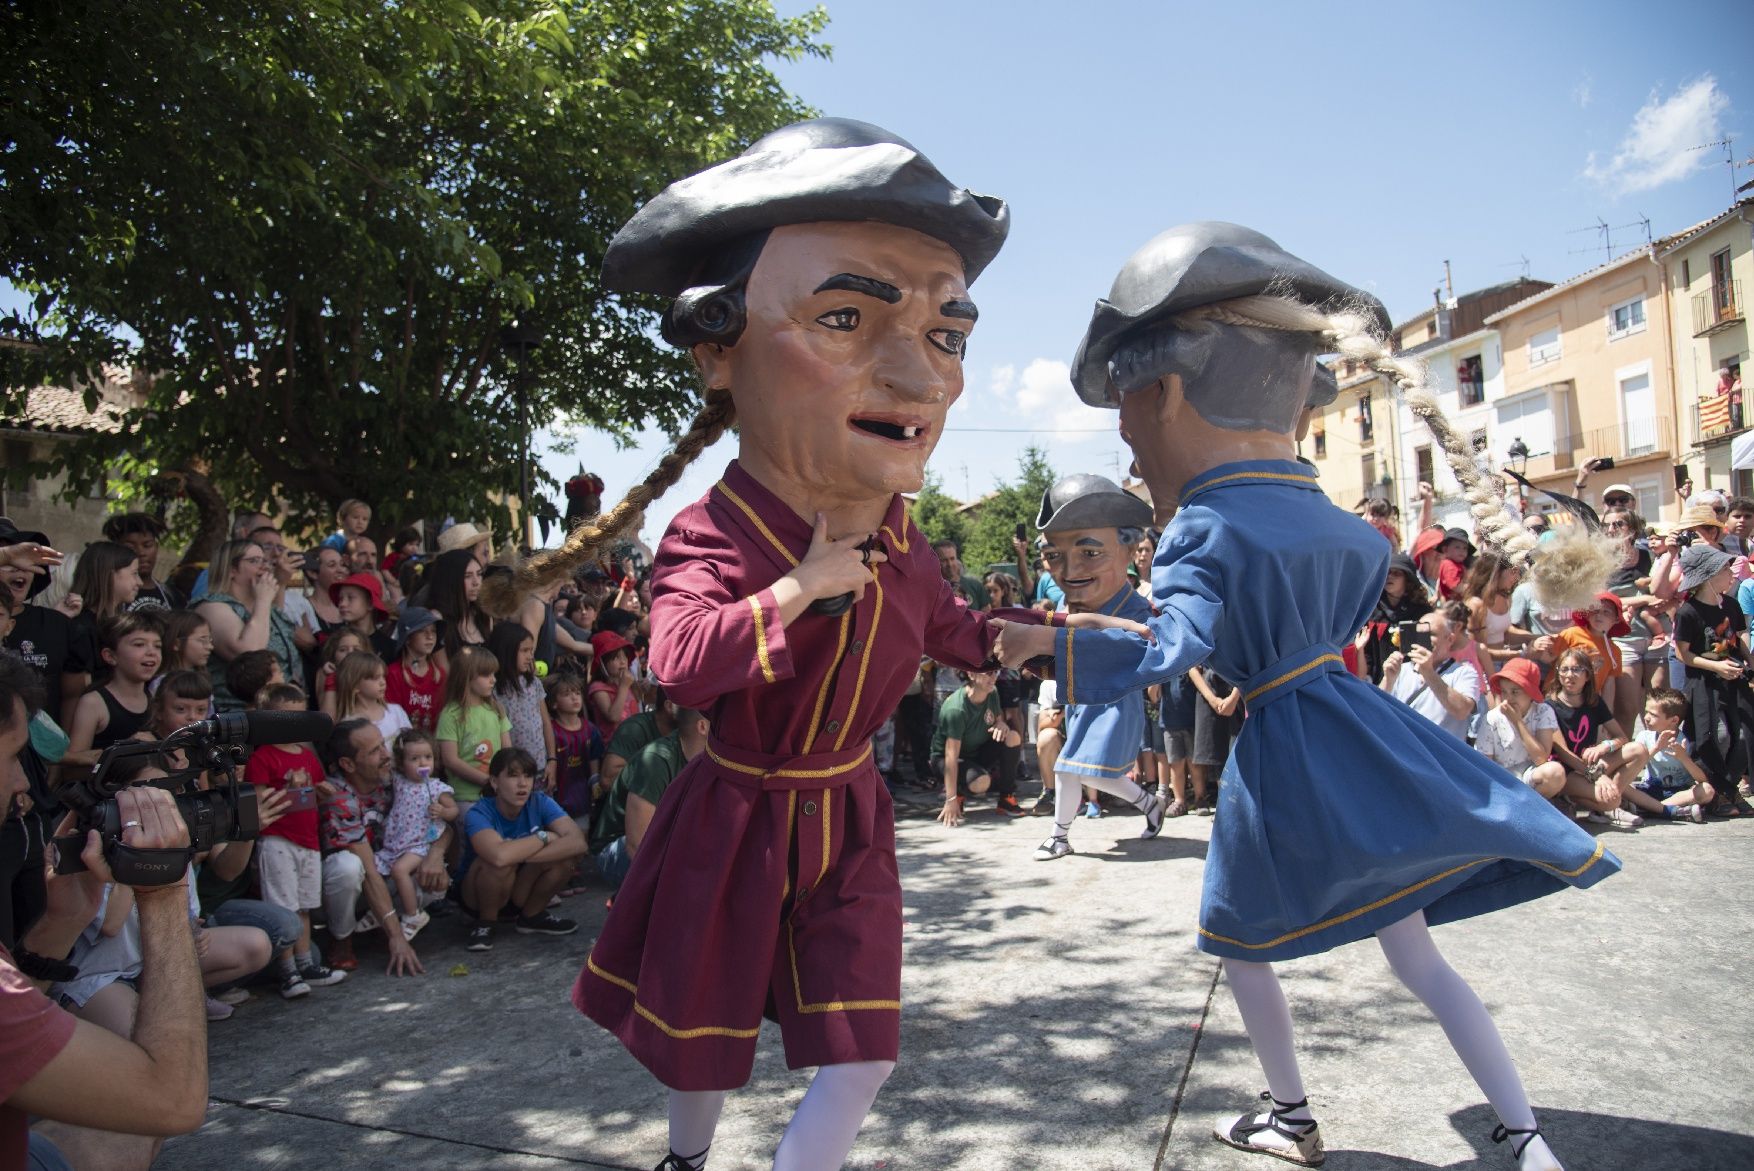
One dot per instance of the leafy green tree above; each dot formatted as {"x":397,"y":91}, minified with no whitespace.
{"x":315,"y":222}
{"x":938,"y":514}
{"x":1013,"y":504}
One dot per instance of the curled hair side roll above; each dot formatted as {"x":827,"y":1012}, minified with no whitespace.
{"x":502,"y":594}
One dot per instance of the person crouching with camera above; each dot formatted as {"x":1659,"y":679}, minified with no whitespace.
{"x":104,"y":1100}
{"x":1442,"y":689}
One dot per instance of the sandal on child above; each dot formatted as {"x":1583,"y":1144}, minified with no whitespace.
{"x":1302,"y":1139}
{"x":1532,"y":1153}
{"x":1177,"y":808}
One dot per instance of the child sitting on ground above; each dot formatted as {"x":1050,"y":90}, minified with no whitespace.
{"x":1674,"y":784}
{"x":417,"y":819}
{"x":1519,"y":729}
{"x":288,"y":853}
{"x":359,"y":695}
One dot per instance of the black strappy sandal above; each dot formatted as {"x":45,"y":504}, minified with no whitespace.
{"x":1305,"y":1137}
{"x":675,"y":1162}
{"x":1502,"y":1133}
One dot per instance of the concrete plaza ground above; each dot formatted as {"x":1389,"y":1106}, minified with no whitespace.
{"x":1058,"y":1017}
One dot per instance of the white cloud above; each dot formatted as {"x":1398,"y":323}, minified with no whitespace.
{"x":1658,"y":146}
{"x":1581,"y":92}
{"x":1042,"y":396}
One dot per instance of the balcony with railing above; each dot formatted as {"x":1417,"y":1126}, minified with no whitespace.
{"x":1715,"y":418}
{"x":1630,"y":440}
{"x":1718,"y":308}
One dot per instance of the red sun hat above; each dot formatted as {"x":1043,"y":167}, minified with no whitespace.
{"x":1621,"y":627}
{"x":368,"y":582}
{"x":605,"y":643}
{"x":1521,"y":672}
{"x":1428,"y":541}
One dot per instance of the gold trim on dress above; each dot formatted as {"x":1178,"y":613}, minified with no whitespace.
{"x":1387,"y":899}
{"x":846,"y":721}
{"x":670,"y":1030}
{"x":846,"y":621}
{"x":1069,"y":633}
{"x":760,"y":525}
{"x":761,"y":640}
{"x":1191,"y":493}
{"x":1290,"y":675}
{"x":807,"y":774}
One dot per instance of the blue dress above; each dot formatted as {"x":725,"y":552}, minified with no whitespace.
{"x":1342,"y":810}
{"x":1102,"y":739}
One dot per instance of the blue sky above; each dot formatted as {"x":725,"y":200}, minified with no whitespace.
{"x":1375,"y":140}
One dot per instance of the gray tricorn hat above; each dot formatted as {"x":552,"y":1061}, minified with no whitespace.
{"x":1324,"y":388}
{"x":824,"y":169}
{"x":1085,"y":501}
{"x":1189,"y":266}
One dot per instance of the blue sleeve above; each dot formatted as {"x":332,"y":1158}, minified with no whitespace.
{"x":548,"y":809}
{"x":477,"y":818}
{"x":1100,"y":666}
{"x":1745,"y":596}
{"x":1047,"y":587}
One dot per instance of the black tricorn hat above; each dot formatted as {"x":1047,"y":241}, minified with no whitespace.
{"x":1087,"y":501}
{"x":1192,"y":265}
{"x":833,"y":169}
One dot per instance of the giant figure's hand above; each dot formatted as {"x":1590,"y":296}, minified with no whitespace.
{"x":834,"y":567}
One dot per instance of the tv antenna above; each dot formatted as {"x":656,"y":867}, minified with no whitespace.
{"x":1606,"y":231}
{"x":1729,"y":145}
{"x":1521,"y":262}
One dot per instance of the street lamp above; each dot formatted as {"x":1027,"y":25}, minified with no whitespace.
{"x":1518,"y":453}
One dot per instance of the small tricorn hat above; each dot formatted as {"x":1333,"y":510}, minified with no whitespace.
{"x":1200,"y":264}
{"x":834,"y":169}
{"x":1086,"y":501}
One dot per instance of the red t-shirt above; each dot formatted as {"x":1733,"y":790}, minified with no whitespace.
{"x":33,"y":1031}
{"x":272,"y":766}
{"x":421,"y":696}
{"x":1449,"y":579}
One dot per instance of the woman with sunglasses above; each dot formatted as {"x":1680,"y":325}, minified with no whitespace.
{"x":1645,"y":646}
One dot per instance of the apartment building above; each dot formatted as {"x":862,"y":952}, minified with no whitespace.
{"x":1710,"y":270}
{"x":1352,"y":441}
{"x":1587,"y":373}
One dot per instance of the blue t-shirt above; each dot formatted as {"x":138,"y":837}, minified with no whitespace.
{"x":539,"y":812}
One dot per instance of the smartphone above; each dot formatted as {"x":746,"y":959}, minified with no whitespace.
{"x":1020,"y":534}
{"x":1409,"y":636}
{"x":301,"y":798}
{"x":1682,"y":475}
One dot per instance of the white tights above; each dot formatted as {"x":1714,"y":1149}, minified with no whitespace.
{"x":1414,"y":958}
{"x":821,"y":1133}
{"x":1069,"y":796}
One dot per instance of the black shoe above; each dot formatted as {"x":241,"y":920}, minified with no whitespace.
{"x":545,"y":924}
{"x":480,"y":938}
{"x":1044,"y":804}
{"x":317,"y":976}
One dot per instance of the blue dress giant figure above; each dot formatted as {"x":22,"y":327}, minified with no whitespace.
{"x":1207,"y":345}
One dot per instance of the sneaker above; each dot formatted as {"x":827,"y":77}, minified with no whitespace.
{"x":411,"y":926}
{"x":233,"y":996}
{"x":1176,"y":809}
{"x":1696,"y":814}
{"x":367,"y":922}
{"x":1053,"y":848}
{"x":1206,"y":806}
{"x":318,"y":976}
{"x":1093,"y":809}
{"x":480,"y":938}
{"x":292,"y":987}
{"x":1153,"y":812}
{"x":1596,"y":817}
{"x":543,"y":924}
{"x":1044,"y":804}
{"x":217,"y":1010}
{"x":1008,"y":807}
{"x":1625,"y":818}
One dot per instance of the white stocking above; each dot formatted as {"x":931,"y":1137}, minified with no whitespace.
{"x":1415,"y":959}
{"x":829,"y":1117}
{"x":694,"y":1115}
{"x":1069,"y":796}
{"x":1267,"y":1018}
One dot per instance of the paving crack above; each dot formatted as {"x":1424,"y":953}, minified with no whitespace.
{"x":1175,"y":1107}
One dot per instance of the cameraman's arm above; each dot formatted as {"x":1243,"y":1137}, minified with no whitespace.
{"x":155,"y":1084}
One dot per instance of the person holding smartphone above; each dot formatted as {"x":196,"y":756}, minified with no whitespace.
{"x":1444,"y":690}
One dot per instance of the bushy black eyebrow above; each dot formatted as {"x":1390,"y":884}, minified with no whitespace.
{"x":852,"y":282}
{"x":963,"y":309}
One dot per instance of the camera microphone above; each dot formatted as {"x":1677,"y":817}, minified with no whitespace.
{"x":255,"y":728}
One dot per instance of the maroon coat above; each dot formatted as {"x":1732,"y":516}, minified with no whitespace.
{"x":767,"y":881}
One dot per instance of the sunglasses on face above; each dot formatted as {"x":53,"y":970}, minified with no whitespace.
{"x":1615,"y":500}
{"x":1615,"y":524}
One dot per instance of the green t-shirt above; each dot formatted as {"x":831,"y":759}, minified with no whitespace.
{"x":961,"y":718}
{"x":648,"y":774}
{"x":976,"y":589}
{"x":633,"y":734}
{"x":477,"y":737}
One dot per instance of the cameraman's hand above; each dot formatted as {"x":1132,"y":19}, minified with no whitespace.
{"x":271,"y":806}
{"x":151,"y":821}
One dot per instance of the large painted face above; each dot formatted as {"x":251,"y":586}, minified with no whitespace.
{"x":1090,"y":565}
{"x":850,"y":359}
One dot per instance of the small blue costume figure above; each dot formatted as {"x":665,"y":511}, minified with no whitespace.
{"x":1343,"y":813}
{"x":1090,"y":527}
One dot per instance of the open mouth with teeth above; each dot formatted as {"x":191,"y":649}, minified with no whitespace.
{"x":895,"y":431}
{"x":1077,"y":583}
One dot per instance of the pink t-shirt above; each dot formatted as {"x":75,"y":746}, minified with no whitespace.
{"x":33,"y":1031}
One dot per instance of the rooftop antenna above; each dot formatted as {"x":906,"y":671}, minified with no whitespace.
{"x":1607,"y":233}
{"x":1521,"y":262}
{"x":1729,"y":145}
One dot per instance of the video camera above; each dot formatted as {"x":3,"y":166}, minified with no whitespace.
{"x":224,"y":813}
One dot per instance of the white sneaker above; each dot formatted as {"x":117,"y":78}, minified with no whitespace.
{"x":412,"y":924}
{"x":233,"y":996}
